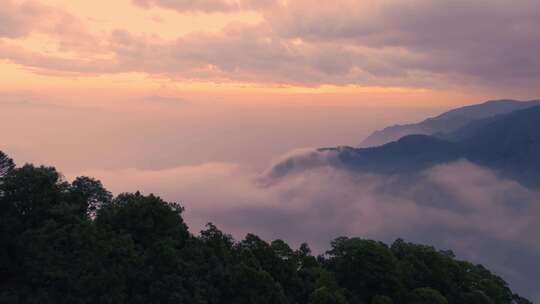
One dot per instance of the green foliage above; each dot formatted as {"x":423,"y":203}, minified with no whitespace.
{"x":6,"y":164}
{"x":251,"y":285}
{"x":426,"y":296}
{"x":147,"y":219}
{"x":476,"y":297}
{"x":90,"y":195}
{"x":74,"y":243}
{"x":381,"y":300}
{"x":323,"y":295}
{"x":366,"y":268}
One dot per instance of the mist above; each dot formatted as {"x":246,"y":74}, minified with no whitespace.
{"x":470,"y":209}
{"x":156,"y":132}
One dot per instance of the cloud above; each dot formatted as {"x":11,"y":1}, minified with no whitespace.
{"x":461,"y":206}
{"x":386,"y":43}
{"x":298,"y":160}
{"x":208,"y":6}
{"x":418,"y":43}
{"x":19,"y":19}
{"x":32,"y":101}
{"x":164,"y":101}
{"x":488,"y":41}
{"x":238,"y":53}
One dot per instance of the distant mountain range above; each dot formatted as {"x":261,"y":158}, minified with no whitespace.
{"x":489,"y":134}
{"x":448,"y":122}
{"x":503,"y":136}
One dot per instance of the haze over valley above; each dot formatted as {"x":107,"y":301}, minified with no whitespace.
{"x":366,"y":129}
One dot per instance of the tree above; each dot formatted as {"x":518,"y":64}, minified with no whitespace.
{"x":33,"y":195}
{"x":249,"y":285}
{"x":74,"y":243}
{"x":213,"y":260}
{"x":479,"y":279}
{"x":89,"y":194}
{"x":277,"y":259}
{"x":147,"y":219}
{"x":323,"y":295}
{"x":426,"y":296}
{"x":29,"y":197}
{"x":423,"y":266}
{"x":6,"y":164}
{"x":76,"y":264}
{"x":160,"y":236}
{"x":327,"y":290}
{"x":366,"y":268}
{"x":381,"y":300}
{"x":476,"y":297}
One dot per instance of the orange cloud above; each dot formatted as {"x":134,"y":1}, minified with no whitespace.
{"x":279,"y":43}
{"x":208,"y":5}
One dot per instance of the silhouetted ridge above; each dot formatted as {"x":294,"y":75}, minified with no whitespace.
{"x":508,"y":143}
{"x":511,"y":143}
{"x":410,"y":153}
{"x":448,"y":121}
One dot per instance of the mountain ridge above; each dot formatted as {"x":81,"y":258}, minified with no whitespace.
{"x":508,"y":143}
{"x":449,"y":121}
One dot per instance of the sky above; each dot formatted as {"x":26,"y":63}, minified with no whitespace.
{"x":159,"y":83}
{"x":195,"y":100}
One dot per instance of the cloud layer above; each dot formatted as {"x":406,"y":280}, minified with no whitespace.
{"x":208,"y":6}
{"x":415,"y":43}
{"x":459,"y":205}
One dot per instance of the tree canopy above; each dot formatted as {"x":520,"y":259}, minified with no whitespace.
{"x":73,"y":242}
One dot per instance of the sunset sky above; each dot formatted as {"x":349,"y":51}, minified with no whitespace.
{"x":230,"y":73}
{"x":194,"y":100}
{"x":403,"y":52}
{"x":156,"y":84}
{"x":160,"y":84}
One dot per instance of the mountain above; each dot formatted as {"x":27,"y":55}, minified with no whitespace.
{"x":508,"y":143}
{"x":449,"y":121}
{"x":408,"y":154}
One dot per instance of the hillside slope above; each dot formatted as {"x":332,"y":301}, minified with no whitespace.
{"x":448,"y":121}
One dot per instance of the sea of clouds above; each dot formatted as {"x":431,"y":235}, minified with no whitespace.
{"x":308,"y":196}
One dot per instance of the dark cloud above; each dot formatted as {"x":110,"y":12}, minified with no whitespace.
{"x":389,"y":42}
{"x":490,"y":41}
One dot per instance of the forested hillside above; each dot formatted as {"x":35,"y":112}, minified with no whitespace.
{"x":73,"y":242}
